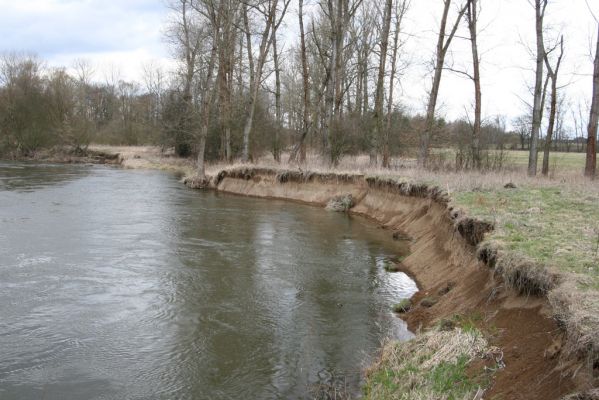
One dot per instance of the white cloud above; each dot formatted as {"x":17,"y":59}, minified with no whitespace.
{"x":124,"y":33}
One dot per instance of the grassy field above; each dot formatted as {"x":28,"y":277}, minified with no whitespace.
{"x":556,"y":226}
{"x":518,"y":159}
{"x":558,"y":161}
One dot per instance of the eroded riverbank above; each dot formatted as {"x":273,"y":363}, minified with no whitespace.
{"x":515,"y":315}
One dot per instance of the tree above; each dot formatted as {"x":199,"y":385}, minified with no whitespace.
{"x":590,"y":168}
{"x":227,"y":43}
{"x":300,"y":147}
{"x":552,"y":73}
{"x":378,"y":99}
{"x":400,"y":11}
{"x":187,"y":35}
{"x":537,"y":110}
{"x":472,"y":13}
{"x":522,"y":125}
{"x":268,"y":10}
{"x":443,"y":43}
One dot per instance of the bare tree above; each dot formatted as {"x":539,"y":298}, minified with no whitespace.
{"x":268,"y":10}
{"x":276,"y":150}
{"x":472,"y":13}
{"x":443,"y":43}
{"x":552,"y":73}
{"x":227,"y":42}
{"x":378,"y":99}
{"x":400,"y":11}
{"x":591,"y":159}
{"x":537,"y":110}
{"x":300,"y":147}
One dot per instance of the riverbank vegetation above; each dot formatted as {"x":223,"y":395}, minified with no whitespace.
{"x":437,"y":364}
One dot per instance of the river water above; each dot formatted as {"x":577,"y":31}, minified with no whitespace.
{"x":118,"y":284}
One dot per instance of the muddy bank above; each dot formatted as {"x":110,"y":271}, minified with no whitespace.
{"x":457,"y":272}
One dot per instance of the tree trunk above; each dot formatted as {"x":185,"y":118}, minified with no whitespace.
{"x":206,"y":102}
{"x":300,"y":146}
{"x":379,"y":97}
{"x":276,"y":145}
{"x":271,"y":25}
{"x":538,"y":91}
{"x":443,"y":42}
{"x":399,"y":14}
{"x":472,"y":16}
{"x":591,"y":159}
{"x":552,"y":73}
{"x":333,"y":6}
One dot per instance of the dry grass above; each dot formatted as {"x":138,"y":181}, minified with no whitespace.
{"x":578,"y":312}
{"x":433,"y":365}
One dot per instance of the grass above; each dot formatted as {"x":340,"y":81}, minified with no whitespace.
{"x":558,"y":161}
{"x":403,"y":306}
{"x":554,"y":226}
{"x":434,"y":365}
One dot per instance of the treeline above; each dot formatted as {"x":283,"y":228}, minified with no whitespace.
{"x":242,"y":89}
{"x":41,"y":108}
{"x":335,"y":90}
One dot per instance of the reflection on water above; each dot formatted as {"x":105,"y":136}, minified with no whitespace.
{"x":124,"y":284}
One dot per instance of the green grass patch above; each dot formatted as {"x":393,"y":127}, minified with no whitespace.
{"x":554,"y":226}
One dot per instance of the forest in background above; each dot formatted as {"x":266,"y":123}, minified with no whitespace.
{"x":235,"y":96}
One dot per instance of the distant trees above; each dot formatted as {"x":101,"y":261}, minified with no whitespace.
{"x":42,"y":107}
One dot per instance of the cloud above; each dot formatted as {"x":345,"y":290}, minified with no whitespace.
{"x":53,"y":28}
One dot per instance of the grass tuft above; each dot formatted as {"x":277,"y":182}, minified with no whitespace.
{"x":434,"y":365}
{"x":403,"y":306}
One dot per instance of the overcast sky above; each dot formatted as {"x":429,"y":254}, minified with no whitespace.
{"x":129,"y":33}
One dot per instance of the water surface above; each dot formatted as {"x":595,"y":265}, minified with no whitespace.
{"x":119,"y":284}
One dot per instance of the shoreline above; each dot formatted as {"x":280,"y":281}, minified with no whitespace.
{"x":443,"y":255}
{"x":446,"y":243}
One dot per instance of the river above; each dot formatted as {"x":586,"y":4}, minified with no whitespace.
{"x":123,"y":284}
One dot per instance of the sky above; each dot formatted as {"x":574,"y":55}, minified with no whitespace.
{"x":124,"y":35}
